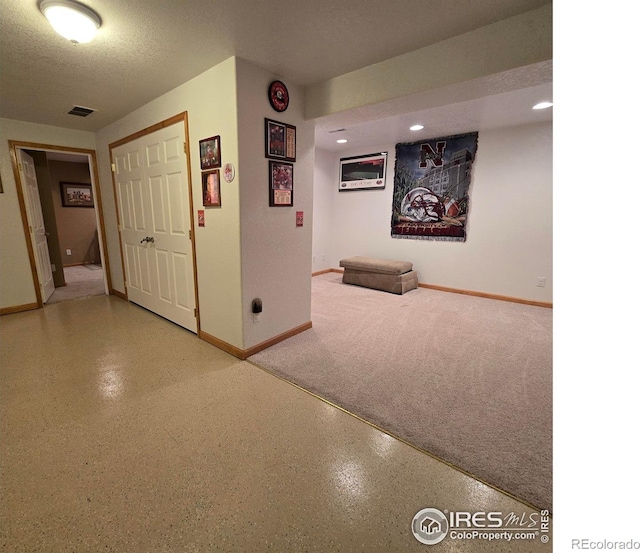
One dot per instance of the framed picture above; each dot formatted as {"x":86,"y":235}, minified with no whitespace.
{"x":76,"y":194}
{"x":363,"y":172}
{"x":211,"y":189}
{"x":210,"y":155}
{"x":280,"y":184}
{"x":279,"y":140}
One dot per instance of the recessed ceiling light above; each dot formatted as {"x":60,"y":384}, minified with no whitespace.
{"x":74,"y":21}
{"x":416,"y":127}
{"x":342,"y":141}
{"x":542,"y":105}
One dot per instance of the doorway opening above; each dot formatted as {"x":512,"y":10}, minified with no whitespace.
{"x":81,"y":281}
{"x":62,"y":216}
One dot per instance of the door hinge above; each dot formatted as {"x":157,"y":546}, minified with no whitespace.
{"x":195,"y":311}
{"x":20,"y":167}
{"x":30,"y":229}
{"x":113,"y":167}
{"x":189,"y":235}
{"x":184,"y":144}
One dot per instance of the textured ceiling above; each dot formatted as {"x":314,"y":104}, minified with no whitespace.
{"x":148,"y":47}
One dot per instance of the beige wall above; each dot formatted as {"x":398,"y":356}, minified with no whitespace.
{"x":276,"y":255}
{"x":246,"y":249}
{"x":210,"y":101}
{"x":510,"y":230}
{"x":16,"y":282}
{"x":477,"y":59}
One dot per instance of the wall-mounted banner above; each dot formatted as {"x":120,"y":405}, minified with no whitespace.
{"x":431,"y":188}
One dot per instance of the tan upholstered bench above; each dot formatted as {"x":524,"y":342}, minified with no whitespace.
{"x":396,"y":277}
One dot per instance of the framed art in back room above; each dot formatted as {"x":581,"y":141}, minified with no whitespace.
{"x":76,"y":194}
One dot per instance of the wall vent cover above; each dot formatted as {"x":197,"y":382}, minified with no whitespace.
{"x":80,"y":111}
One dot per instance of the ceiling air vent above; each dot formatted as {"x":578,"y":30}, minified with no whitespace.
{"x":80,"y":111}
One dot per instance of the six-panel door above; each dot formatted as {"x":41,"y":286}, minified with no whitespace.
{"x":153,"y":205}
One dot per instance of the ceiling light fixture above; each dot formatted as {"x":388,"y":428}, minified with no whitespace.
{"x":542,"y":105}
{"x":342,"y":141}
{"x":74,"y":21}
{"x":416,"y":127}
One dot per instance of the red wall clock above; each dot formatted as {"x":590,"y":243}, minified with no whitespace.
{"x":278,"y":96}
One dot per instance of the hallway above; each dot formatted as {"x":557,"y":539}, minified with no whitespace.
{"x":82,"y":281}
{"x":123,"y":432}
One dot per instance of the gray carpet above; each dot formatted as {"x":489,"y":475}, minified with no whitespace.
{"x":82,"y":281}
{"x":466,"y":379}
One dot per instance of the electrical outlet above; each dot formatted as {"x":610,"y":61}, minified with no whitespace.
{"x":324,"y":258}
{"x":68,"y":252}
{"x":541,"y":282}
{"x":53,"y":267}
{"x":256,"y":317}
{"x":313,"y":259}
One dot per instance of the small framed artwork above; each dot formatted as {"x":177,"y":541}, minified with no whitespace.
{"x":278,"y":96}
{"x":210,"y":155}
{"x":211,"y":189}
{"x":76,"y":194}
{"x":363,"y":172}
{"x":280,"y":184}
{"x":279,"y":140}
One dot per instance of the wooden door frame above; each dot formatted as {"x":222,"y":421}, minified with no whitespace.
{"x":14,"y":146}
{"x":180,"y":117}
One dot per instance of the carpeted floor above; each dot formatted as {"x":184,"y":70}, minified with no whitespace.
{"x":466,"y":379}
{"x":82,"y":281}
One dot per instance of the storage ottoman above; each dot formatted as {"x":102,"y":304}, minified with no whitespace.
{"x":396,"y":277}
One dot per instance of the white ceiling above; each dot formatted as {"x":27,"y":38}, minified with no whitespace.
{"x":389,"y":123}
{"x":148,"y":47}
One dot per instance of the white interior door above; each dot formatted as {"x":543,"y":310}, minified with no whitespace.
{"x":155,"y":224}
{"x":36,"y":224}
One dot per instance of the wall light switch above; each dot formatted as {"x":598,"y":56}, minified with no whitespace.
{"x":68,"y":252}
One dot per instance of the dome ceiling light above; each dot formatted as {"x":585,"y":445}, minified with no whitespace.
{"x":74,"y":21}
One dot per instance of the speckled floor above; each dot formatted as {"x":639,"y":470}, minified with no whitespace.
{"x":123,"y":432}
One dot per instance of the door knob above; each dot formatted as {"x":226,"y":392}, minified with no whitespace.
{"x":148,"y":239}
